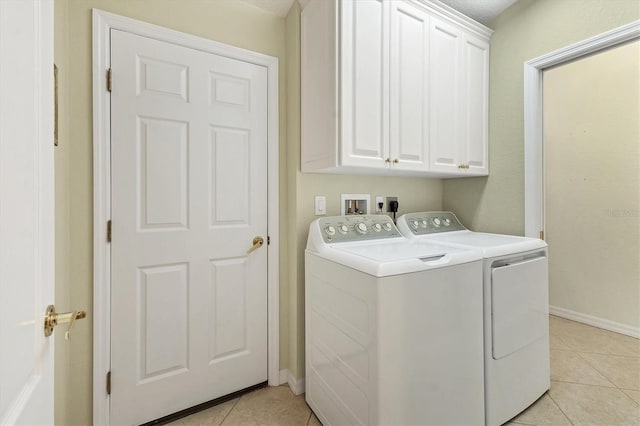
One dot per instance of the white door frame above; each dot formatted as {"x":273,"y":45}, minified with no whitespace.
{"x":534,"y":220}
{"x":103,"y":22}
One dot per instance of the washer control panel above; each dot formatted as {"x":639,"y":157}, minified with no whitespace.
{"x":341,"y":229}
{"x":431,"y":222}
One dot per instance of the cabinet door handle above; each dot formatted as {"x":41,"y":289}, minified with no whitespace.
{"x":396,"y":161}
{"x":387,"y":160}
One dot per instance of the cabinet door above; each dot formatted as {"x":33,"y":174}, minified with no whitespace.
{"x":409,"y":138}
{"x":445,"y":85}
{"x":475,"y":101}
{"x":364,"y":75}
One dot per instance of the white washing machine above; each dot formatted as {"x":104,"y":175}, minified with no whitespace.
{"x":516,"y":309}
{"x":393,"y":327}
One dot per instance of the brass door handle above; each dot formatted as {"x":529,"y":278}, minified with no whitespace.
{"x":257,"y":243}
{"x":51,"y":319}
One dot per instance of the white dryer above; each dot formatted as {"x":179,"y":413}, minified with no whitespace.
{"x":393,"y":327}
{"x":516,"y":309}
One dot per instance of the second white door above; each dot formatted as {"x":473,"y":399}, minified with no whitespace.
{"x":189,"y":196}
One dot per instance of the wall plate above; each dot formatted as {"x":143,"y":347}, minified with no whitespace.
{"x":355,"y":204}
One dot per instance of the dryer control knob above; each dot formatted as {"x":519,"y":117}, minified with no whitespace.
{"x":414,"y":224}
{"x":376,"y":227}
{"x":361,"y":227}
{"x":423,"y":223}
{"x":330,"y":230}
{"x":436,"y":221}
{"x":446,"y":221}
{"x":387,"y":226}
{"x":343,"y":229}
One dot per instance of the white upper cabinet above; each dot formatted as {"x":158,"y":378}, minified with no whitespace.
{"x":459,"y":66}
{"x":445,"y":66}
{"x":364,"y":75}
{"x":393,"y":87}
{"x":475,"y":100}
{"x":409,"y":109}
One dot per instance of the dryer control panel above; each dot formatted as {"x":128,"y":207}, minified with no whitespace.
{"x":430,"y":222}
{"x":342,"y":229}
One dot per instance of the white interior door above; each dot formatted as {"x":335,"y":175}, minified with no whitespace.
{"x":189,"y":194}
{"x":26,"y":211}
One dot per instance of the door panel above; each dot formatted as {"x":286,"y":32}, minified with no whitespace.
{"x":475,"y":100}
{"x":364,"y":70}
{"x":409,"y":87}
{"x":445,"y":63}
{"x":519,"y":305}
{"x":189,"y":176}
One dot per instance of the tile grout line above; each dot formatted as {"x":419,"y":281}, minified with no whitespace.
{"x":232,"y":408}
{"x":629,"y":396}
{"x":595,"y":368}
{"x":557,"y":405}
{"x":593,"y":353}
{"x":588,"y":384}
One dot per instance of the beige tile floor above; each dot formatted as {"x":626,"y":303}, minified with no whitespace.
{"x":595,"y":380}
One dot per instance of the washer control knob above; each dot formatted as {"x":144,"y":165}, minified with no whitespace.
{"x":330,"y":230}
{"x":361,"y":227}
{"x":387,"y":226}
{"x":446,"y":221}
{"x":414,"y":224}
{"x":376,"y":227}
{"x":423,"y":223}
{"x":436,"y":221}
{"x":343,"y":229}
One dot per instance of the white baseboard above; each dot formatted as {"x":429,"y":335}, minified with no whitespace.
{"x":297,"y":385}
{"x":595,"y":321}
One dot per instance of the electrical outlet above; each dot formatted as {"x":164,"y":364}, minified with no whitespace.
{"x":389,"y":199}
{"x":379,"y":203}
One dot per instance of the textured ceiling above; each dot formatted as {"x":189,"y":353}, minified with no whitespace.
{"x":482,"y":11}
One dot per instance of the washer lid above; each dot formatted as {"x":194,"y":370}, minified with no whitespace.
{"x":396,"y":257}
{"x":492,"y":245}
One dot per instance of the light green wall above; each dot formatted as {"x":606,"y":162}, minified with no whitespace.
{"x":592,"y":184}
{"x":528,"y":29}
{"x":228,"y":21}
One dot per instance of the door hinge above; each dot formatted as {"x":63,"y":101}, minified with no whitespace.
{"x":109,"y":383}
{"x":109,"y":80}
{"x":542,"y":235}
{"x":109,"y":231}
{"x":268,"y":240}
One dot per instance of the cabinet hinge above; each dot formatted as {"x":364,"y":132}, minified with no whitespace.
{"x":109,"y":80}
{"x":109,"y":231}
{"x":268,"y":240}
{"x":109,"y":383}
{"x":542,"y":235}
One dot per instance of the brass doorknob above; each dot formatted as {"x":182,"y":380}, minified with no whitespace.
{"x":51,"y":319}
{"x":257,"y":243}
